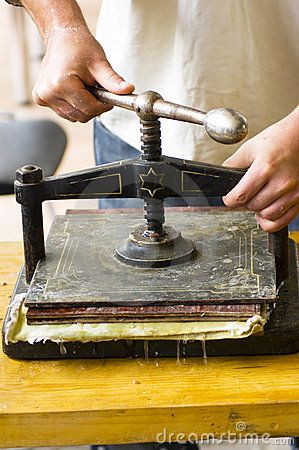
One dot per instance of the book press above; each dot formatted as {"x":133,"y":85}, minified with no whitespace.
{"x":182,"y":280}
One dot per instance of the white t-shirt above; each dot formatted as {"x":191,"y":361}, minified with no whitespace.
{"x":242,"y":54}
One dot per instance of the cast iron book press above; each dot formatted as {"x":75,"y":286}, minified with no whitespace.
{"x":109,"y":285}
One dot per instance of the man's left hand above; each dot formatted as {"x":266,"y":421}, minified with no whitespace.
{"x":270,"y":188}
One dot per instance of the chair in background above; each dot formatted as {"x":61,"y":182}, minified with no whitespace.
{"x":38,"y":142}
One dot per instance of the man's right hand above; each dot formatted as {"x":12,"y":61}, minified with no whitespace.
{"x":73,"y":60}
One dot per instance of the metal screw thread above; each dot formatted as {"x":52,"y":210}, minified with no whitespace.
{"x":154,"y":216}
{"x":151,"y":139}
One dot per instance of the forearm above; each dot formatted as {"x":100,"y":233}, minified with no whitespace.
{"x":53,"y":16}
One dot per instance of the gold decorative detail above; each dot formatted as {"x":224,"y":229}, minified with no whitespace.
{"x":187,"y":172}
{"x":152,"y":179}
{"x":88,"y":195}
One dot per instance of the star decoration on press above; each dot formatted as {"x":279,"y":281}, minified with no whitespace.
{"x":151,"y":181}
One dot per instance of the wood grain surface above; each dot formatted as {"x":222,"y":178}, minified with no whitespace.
{"x":45,"y":403}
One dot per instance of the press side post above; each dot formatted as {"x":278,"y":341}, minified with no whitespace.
{"x":28,"y":194}
{"x":279,"y":247}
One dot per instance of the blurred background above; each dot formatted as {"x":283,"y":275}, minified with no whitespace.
{"x":20,"y":57}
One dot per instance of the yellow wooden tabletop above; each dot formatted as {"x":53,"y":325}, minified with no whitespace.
{"x":74,"y":402}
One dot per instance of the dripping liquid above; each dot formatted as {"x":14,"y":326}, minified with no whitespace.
{"x":145,"y":346}
{"x":62,"y":349}
{"x":156,"y":358}
{"x":178,"y":353}
{"x":204,"y":352}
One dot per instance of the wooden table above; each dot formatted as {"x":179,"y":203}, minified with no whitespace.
{"x":121,"y":401}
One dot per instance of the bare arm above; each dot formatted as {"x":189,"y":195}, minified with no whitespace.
{"x":73,"y":59}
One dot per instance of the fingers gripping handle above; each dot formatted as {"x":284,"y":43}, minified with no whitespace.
{"x":224,"y":125}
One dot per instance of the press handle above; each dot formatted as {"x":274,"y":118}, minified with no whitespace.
{"x":224,"y":125}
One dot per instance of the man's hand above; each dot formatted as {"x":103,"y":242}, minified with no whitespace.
{"x":270,"y":187}
{"x":73,"y":60}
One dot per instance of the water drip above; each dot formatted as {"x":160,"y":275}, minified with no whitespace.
{"x":178,"y":352}
{"x":62,"y":349}
{"x":184,"y":350}
{"x":156,"y":353}
{"x":204,"y":352}
{"x":145,"y":346}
